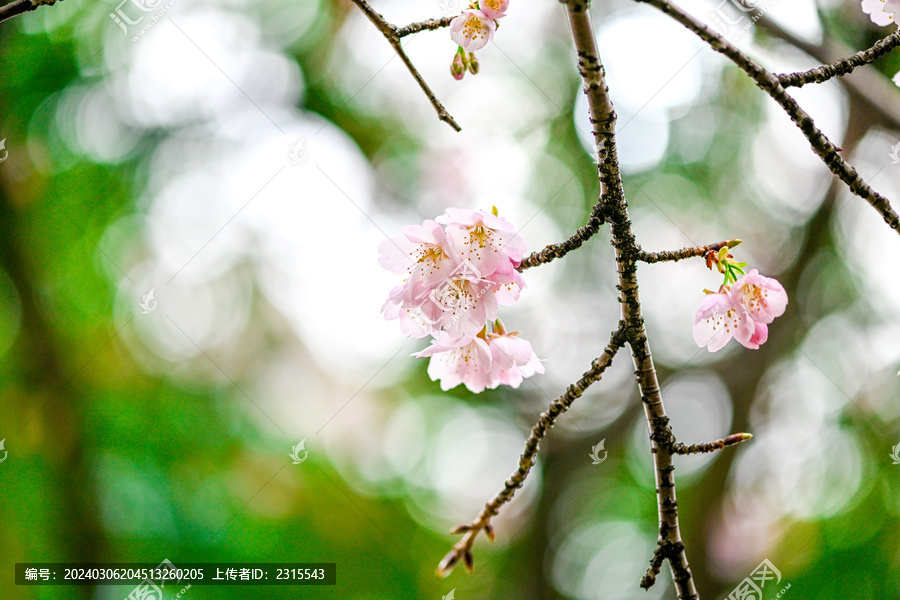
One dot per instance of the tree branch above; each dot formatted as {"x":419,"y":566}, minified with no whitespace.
{"x":879,"y":95}
{"x":429,"y":25}
{"x":17,"y":7}
{"x":842,"y":66}
{"x":615,"y":211}
{"x":392,"y":34}
{"x":462,"y":550}
{"x":732,"y":440}
{"x":559,"y":250}
{"x":676,"y":255}
{"x":769,"y":83}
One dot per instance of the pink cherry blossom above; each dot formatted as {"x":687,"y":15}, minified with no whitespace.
{"x":462,"y":303}
{"x":508,"y":287}
{"x":426,"y":255}
{"x":472,"y":29}
{"x":759,"y":337}
{"x":494,"y":9}
{"x":457,"y":277}
{"x":459,"y":305}
{"x":481,"y":362}
{"x":762,"y":297}
{"x":512,"y":359}
{"x":459,"y":360}
{"x":719,"y":319}
{"x":742,"y":311}
{"x":413,"y":322}
{"x":882,"y":12}
{"x":423,"y":252}
{"x":490,"y":242}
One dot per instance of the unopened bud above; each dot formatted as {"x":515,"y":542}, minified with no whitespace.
{"x":458,"y":67}
{"x":473,"y":64}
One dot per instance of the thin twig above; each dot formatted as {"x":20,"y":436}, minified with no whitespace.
{"x":392,"y":34}
{"x":732,"y":440}
{"x":552,"y":251}
{"x":769,"y":83}
{"x":17,"y":7}
{"x":429,"y":25}
{"x":676,"y":255}
{"x":462,"y":550}
{"x":879,"y":96}
{"x":842,"y":66}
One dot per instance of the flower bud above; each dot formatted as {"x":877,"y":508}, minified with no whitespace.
{"x":473,"y":64}
{"x":458,"y":67}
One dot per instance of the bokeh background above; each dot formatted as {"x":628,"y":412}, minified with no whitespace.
{"x":243,"y":159}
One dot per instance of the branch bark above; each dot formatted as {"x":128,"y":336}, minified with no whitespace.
{"x":706,"y":447}
{"x":615,"y":210}
{"x":17,"y":7}
{"x":428,"y":25}
{"x":684,"y":253}
{"x":871,"y":88}
{"x":842,"y":66}
{"x":583,"y":234}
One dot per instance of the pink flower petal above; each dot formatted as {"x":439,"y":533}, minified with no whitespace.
{"x":457,"y":361}
{"x":759,"y":337}
{"x":472,"y":30}
{"x":763,"y":298}
{"x":494,"y":9}
{"x":715,"y":322}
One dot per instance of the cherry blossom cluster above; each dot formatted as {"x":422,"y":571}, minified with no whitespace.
{"x":459,"y":269}
{"x":472,"y":30}
{"x":743,"y":308}
{"x":883,"y":12}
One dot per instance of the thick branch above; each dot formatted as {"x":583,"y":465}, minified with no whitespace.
{"x":615,"y":211}
{"x":842,"y":66}
{"x":769,"y":83}
{"x":462,"y":550}
{"x":17,"y":7}
{"x":676,"y":255}
{"x":392,"y":34}
{"x":664,"y":550}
